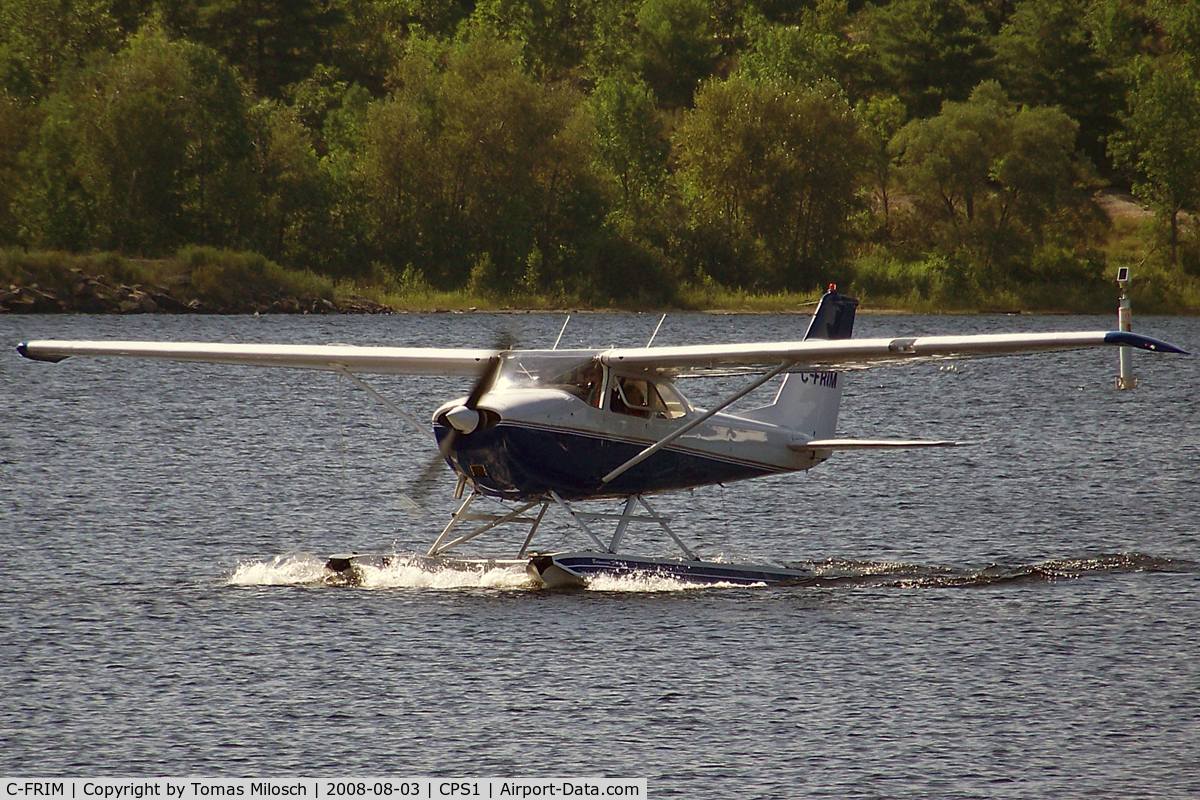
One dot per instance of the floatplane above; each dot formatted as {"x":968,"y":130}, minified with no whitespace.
{"x":561,"y":429}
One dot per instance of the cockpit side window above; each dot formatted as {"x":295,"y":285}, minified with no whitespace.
{"x":673,"y":400}
{"x":639,"y":397}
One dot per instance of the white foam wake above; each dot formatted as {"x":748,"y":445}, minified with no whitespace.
{"x":306,"y":569}
{"x":649,"y":582}
{"x":405,"y":574}
{"x":290,"y":569}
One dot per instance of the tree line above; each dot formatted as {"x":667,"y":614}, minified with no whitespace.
{"x":607,"y":150}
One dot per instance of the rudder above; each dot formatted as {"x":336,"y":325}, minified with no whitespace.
{"x":834,"y":317}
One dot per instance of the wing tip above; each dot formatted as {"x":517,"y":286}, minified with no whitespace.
{"x":1128,"y":339}
{"x":23,"y":349}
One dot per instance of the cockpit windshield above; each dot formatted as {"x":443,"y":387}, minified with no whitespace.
{"x":579,"y":374}
{"x":643,"y":395}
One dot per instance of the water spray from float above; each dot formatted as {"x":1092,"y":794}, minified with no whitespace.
{"x":1125,"y":378}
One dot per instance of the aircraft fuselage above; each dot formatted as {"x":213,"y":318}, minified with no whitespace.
{"x":540,"y":440}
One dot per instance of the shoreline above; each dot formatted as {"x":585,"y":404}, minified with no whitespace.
{"x":207,"y":281}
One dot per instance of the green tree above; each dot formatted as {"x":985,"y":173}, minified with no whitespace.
{"x":555,"y":35}
{"x":39,"y":39}
{"x":1046,"y":56}
{"x":772,"y":170}
{"x":881,"y":119}
{"x":272,"y":43}
{"x":1121,"y":31}
{"x":817,"y":49}
{"x":14,"y":130}
{"x":364,"y":46}
{"x":996,"y":13}
{"x":476,"y":172}
{"x":1178,"y":22}
{"x":629,"y":137}
{"x":927,"y":51}
{"x":947,"y":159}
{"x":145,"y":153}
{"x":294,"y":191}
{"x":1160,"y":140}
{"x":675,"y":48}
{"x":615,"y":39}
{"x":432,"y":17}
{"x":988,"y":177}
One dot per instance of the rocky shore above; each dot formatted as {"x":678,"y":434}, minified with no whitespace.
{"x":100,"y":294}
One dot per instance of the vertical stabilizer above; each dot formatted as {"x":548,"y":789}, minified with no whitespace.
{"x":834,"y":317}
{"x":808,"y":402}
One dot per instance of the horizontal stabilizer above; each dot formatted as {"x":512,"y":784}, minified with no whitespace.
{"x":868,"y":444}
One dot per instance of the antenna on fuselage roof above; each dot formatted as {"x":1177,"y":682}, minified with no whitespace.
{"x":656,"y":327}
{"x":561,"y":332}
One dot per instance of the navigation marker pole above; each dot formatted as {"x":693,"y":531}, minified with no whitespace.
{"x":1125,"y":379}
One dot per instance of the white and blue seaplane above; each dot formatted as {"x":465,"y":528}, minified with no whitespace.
{"x":558,"y":429}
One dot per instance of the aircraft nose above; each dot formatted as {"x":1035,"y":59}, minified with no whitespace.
{"x":463,"y":419}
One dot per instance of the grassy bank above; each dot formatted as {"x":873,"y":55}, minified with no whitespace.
{"x":1058,"y":281}
{"x":196,"y":280}
{"x":205,"y":280}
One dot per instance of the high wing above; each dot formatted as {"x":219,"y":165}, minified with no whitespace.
{"x":847,"y":354}
{"x":364,"y":360}
{"x":681,"y":361}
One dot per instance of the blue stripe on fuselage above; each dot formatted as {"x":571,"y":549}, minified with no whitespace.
{"x":526,"y":461}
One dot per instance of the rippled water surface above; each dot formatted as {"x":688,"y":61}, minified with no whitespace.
{"x":1017,"y":618}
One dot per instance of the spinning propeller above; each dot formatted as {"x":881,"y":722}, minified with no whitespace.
{"x":463,"y":419}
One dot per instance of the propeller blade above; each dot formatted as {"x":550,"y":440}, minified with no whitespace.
{"x":424,"y":483}
{"x":486,"y":378}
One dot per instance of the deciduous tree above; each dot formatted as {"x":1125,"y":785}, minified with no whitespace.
{"x":39,"y":39}
{"x":14,"y":130}
{"x":775,"y":167}
{"x":675,"y":48}
{"x":816,"y":49}
{"x":272,"y":43}
{"x":145,"y":153}
{"x":473,"y":167}
{"x":988,"y":176}
{"x":881,"y":119}
{"x":629,"y":137}
{"x":1160,"y":140}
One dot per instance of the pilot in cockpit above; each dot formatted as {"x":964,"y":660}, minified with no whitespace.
{"x":629,"y":397}
{"x":640,"y":397}
{"x":591,"y":379}
{"x":584,"y":382}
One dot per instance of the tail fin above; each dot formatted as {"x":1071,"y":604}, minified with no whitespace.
{"x":834,"y":317}
{"x":808,"y":402}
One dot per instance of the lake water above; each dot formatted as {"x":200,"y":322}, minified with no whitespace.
{"x":1017,"y":618}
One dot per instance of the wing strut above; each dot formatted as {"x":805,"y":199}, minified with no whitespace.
{"x":666,"y":440}
{"x":561,"y":332}
{"x":369,"y":389}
